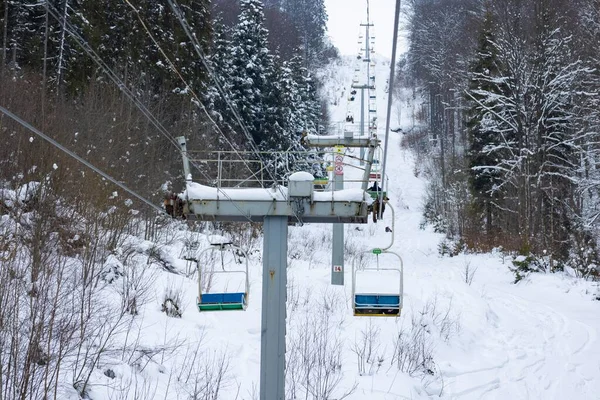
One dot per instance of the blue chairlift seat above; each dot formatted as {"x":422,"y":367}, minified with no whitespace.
{"x":222,"y":301}
{"x":377,"y":304}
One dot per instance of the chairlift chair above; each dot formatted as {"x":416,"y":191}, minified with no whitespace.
{"x":321,"y":183}
{"x":378,"y":303}
{"x":222,"y":300}
{"x":375,"y":173}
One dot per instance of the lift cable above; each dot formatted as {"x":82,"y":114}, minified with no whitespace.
{"x":81,"y":160}
{"x":389,"y":104}
{"x":69,"y":28}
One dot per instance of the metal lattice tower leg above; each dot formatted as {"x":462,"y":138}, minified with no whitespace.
{"x":272,"y":338}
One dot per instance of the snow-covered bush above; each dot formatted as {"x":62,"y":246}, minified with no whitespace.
{"x":450,"y":247}
{"x":523,"y":265}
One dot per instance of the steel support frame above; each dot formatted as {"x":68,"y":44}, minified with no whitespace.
{"x":337,"y":243}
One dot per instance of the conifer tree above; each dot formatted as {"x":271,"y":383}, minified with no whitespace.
{"x":310,"y":17}
{"x":486,"y":143}
{"x":252,"y":71}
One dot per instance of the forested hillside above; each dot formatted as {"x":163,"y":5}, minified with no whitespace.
{"x":509,"y":90}
{"x":116,"y":82}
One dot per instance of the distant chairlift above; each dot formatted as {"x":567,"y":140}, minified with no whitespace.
{"x":222,"y":300}
{"x":321,"y":183}
{"x":375,"y":174}
{"x":382,"y":297}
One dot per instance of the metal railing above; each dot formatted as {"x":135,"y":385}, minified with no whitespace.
{"x":240,"y":169}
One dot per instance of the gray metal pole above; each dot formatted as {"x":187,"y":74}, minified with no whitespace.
{"x":337,"y":257}
{"x":362,"y":123}
{"x":389,"y":104}
{"x":272,"y":336}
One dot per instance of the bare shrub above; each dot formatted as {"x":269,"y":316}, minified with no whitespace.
{"x":413,"y":347}
{"x":52,"y":308}
{"x":136,"y":283}
{"x":207,"y":262}
{"x":314,"y":358}
{"x":353,"y":247}
{"x":468,"y":272}
{"x":293,"y":296}
{"x":366,"y":347}
{"x":445,"y":322}
{"x":172,"y":303}
{"x":202,"y":375}
{"x":413,"y":350}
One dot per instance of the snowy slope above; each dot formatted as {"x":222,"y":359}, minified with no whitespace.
{"x":537,"y":339}
{"x":487,"y":340}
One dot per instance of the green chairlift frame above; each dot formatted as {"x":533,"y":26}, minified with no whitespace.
{"x":223,"y":301}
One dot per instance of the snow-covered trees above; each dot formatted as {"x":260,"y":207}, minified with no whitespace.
{"x":252,"y":71}
{"x":310,"y":18}
{"x":277,"y":100}
{"x":485,"y":143}
{"x":527,"y":119}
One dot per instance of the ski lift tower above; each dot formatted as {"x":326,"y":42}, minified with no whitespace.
{"x":276,"y":208}
{"x":339,"y":143}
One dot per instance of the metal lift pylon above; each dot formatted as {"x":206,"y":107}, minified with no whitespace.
{"x":348,"y":140}
{"x":276,"y":209}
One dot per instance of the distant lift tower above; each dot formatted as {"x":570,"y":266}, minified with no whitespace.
{"x":370,"y":83}
{"x":276,"y":208}
{"x":339,"y":143}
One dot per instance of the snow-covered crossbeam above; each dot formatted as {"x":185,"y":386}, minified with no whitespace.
{"x":242,"y":204}
{"x":336,"y":140}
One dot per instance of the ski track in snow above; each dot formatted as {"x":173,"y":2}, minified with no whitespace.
{"x":536,"y":366}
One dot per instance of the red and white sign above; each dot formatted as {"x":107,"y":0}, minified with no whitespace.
{"x":337,"y":268}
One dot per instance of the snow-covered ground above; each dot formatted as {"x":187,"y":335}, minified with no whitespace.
{"x":490,"y":339}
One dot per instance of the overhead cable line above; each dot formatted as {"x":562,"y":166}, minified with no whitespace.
{"x":128,"y":92}
{"x":78,"y":158}
{"x":180,"y":76}
{"x":183,"y":22}
{"x":389,"y":103}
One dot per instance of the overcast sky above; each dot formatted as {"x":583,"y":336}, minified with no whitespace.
{"x":345,"y":16}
